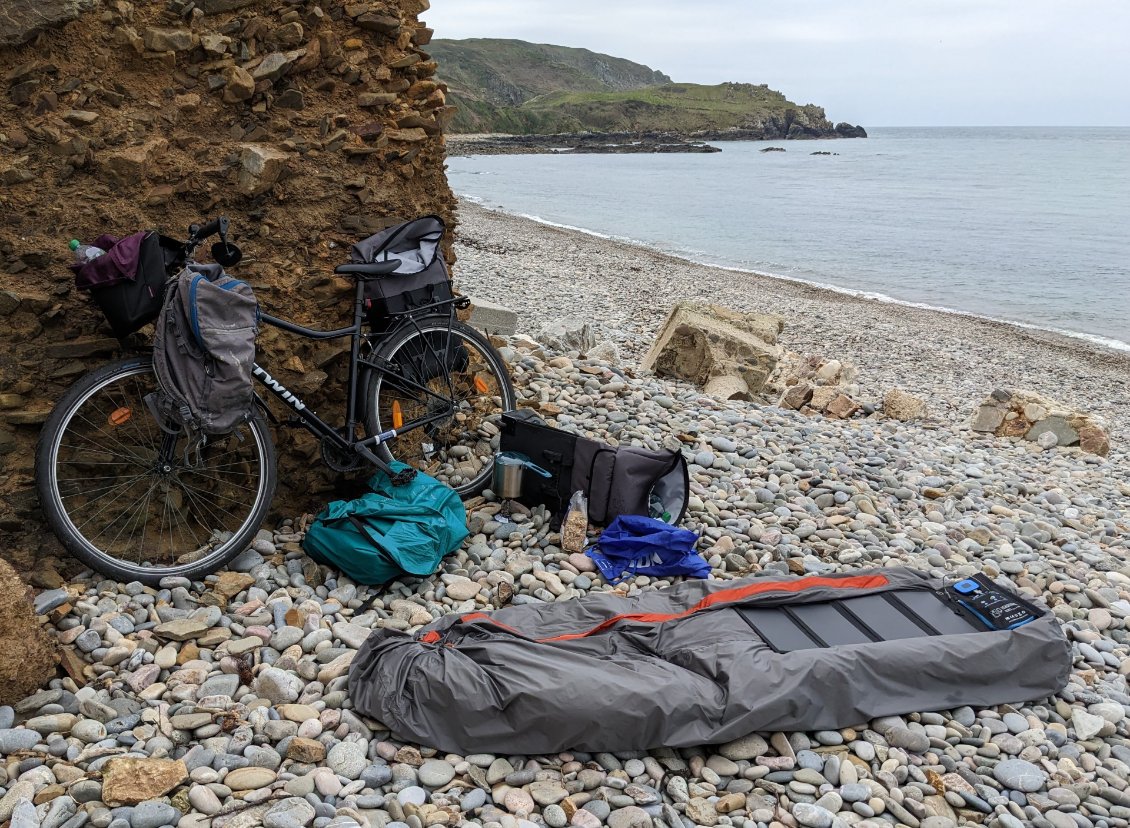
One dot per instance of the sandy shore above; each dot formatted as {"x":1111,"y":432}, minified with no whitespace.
{"x":952,"y":360}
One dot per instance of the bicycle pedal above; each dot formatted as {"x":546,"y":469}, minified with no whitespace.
{"x":403,"y":477}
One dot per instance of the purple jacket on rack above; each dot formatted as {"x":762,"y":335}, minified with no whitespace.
{"x":119,"y":264}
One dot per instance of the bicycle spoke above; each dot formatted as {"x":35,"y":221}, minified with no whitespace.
{"x":111,"y":439}
{"x":105,"y":490}
{"x":114,"y":507}
{"x":103,"y":509}
{"x":129,"y":519}
{"x":204,"y":508}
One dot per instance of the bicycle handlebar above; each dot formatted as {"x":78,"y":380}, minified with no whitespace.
{"x":198,"y":233}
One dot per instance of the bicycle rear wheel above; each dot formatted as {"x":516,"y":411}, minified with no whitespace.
{"x":130,"y":500}
{"x":467,"y":389}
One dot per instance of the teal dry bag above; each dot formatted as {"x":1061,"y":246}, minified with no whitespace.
{"x":390,"y":531}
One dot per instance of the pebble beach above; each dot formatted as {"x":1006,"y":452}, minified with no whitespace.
{"x":223,"y":702}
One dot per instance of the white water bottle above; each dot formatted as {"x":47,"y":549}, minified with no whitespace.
{"x":85,"y":252}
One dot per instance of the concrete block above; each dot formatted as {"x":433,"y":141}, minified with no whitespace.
{"x":493,"y":319}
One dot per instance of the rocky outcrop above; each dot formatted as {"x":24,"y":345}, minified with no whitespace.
{"x":27,"y":656}
{"x":729,"y":355}
{"x":157,"y":114}
{"x":21,"y":20}
{"x":577,"y":143}
{"x":1029,"y":416}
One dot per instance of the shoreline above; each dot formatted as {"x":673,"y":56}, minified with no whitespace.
{"x":1096,"y":340}
{"x":953,"y":359}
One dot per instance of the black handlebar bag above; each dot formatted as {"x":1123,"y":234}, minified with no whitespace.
{"x":618,"y":480}
{"x":130,"y":298}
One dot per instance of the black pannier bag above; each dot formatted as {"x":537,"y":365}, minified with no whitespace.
{"x":133,"y":300}
{"x":420,"y":281}
{"x":618,"y":480}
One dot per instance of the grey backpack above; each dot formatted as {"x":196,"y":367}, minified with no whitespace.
{"x":203,"y":352}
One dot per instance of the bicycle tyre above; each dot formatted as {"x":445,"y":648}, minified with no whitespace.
{"x":403,"y":351}
{"x":79,"y":414}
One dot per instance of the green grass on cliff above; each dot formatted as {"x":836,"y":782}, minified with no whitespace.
{"x":531,"y":88}
{"x":676,"y":107}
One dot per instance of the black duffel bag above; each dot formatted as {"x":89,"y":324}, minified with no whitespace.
{"x":618,"y":480}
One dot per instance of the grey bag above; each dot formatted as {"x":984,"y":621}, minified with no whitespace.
{"x":420,"y":281}
{"x":204,"y":350}
{"x":626,"y":480}
{"x":618,"y":480}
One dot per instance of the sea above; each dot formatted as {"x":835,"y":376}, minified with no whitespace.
{"x":1029,"y":225}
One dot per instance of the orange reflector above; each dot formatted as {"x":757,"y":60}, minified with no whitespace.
{"x":481,"y":385}
{"x":120,"y":416}
{"x":397,"y":415}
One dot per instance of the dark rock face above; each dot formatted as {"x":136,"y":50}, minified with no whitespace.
{"x":21,"y":20}
{"x":846,"y":130}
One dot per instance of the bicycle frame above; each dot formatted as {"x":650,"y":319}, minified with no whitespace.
{"x":319,"y":427}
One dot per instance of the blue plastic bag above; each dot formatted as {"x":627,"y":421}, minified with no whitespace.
{"x":638,"y":545}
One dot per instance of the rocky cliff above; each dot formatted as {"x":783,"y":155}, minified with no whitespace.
{"x":309,"y":123}
{"x":515,"y":87}
{"x":491,"y":78}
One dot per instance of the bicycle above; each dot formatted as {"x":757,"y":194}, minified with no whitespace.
{"x":123,"y":499}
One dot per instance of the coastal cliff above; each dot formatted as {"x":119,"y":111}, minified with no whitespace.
{"x":514,"y":87}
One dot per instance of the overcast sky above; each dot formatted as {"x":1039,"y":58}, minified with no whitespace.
{"x":872,"y":62}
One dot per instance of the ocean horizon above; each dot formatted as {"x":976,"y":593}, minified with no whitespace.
{"x":1024,"y":225}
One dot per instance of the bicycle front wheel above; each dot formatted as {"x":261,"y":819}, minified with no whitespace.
{"x":438,"y":369}
{"x":130,"y":500}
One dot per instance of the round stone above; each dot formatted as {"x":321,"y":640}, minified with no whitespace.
{"x":289,"y":813}
{"x":812,"y":816}
{"x":412,"y":795}
{"x":153,"y":814}
{"x":912,"y":740}
{"x":518,"y":801}
{"x":248,"y":779}
{"x":435,"y":773}
{"x":89,"y":730}
{"x":204,"y":799}
{"x":473,"y":800}
{"x":1020,"y":775}
{"x":347,"y":759}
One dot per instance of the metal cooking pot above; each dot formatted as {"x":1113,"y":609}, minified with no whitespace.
{"x":509,"y":472}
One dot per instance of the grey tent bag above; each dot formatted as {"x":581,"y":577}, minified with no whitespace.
{"x":203,"y":352}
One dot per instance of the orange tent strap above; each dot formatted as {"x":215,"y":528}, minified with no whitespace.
{"x":723,"y":596}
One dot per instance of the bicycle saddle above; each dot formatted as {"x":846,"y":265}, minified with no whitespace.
{"x":368,"y":270}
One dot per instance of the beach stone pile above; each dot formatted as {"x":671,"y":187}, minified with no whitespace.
{"x":815,"y":385}
{"x":224,"y":702}
{"x":1030,"y":416}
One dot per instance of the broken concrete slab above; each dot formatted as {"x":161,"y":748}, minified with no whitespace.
{"x":728,"y":354}
{"x":493,"y":319}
